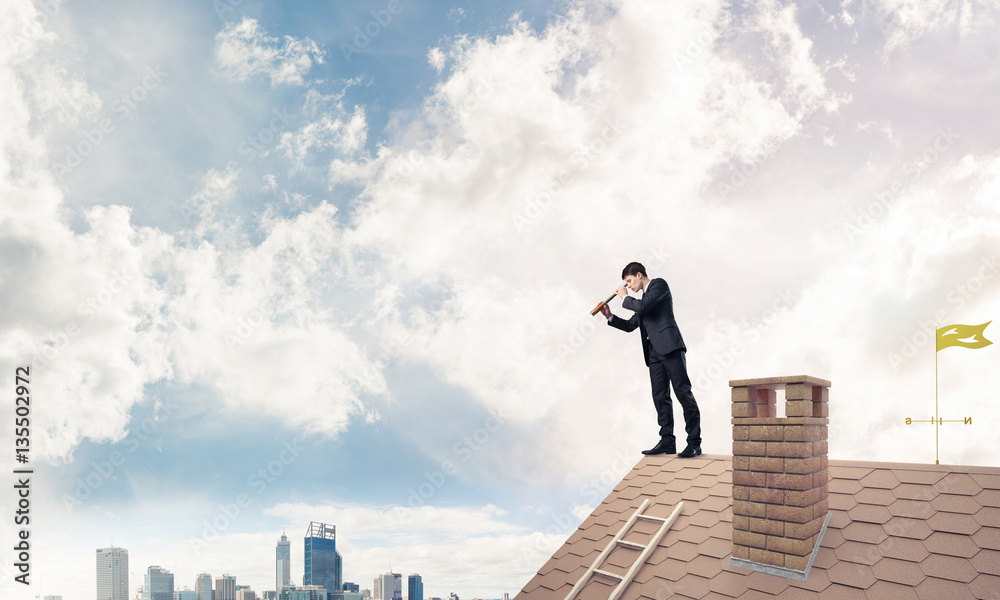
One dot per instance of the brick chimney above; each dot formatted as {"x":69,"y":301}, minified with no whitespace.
{"x":780,"y":473}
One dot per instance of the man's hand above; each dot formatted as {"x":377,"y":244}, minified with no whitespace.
{"x":622,"y":292}
{"x":606,"y":311}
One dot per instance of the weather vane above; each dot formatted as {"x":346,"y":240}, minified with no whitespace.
{"x":965,"y":336}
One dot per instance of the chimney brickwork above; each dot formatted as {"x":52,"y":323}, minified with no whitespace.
{"x":780,"y":470}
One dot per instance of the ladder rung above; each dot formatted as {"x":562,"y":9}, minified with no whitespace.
{"x":607,"y":574}
{"x":633,"y":544}
{"x":660,"y":519}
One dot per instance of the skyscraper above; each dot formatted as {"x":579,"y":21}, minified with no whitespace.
{"x":414,"y":587}
{"x":112,"y":573}
{"x":389,"y":586}
{"x":159,"y":584}
{"x":323,"y":564}
{"x":203,"y":586}
{"x":283,"y":564}
{"x":225,"y":587}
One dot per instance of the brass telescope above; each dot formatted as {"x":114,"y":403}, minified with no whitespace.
{"x":603,"y":304}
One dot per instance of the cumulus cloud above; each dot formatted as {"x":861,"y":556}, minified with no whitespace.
{"x":243,"y":50}
{"x":104,"y":311}
{"x":535,"y":148}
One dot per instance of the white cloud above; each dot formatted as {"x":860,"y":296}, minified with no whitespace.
{"x":102,"y":312}
{"x":244,"y":49}
{"x":436,"y":58}
{"x":903,"y":21}
{"x":523,"y":184}
{"x":345,"y":133}
{"x":804,"y":82}
{"x":884,"y":127}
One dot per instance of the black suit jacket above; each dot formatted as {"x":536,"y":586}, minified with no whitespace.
{"x":654,"y":316}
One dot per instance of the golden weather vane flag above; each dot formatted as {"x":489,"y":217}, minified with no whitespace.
{"x":966,"y":336}
{"x":963,"y":336}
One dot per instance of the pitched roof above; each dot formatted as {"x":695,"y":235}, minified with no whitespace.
{"x":925,"y":532}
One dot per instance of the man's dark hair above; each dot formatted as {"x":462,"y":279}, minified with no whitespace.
{"x":633,"y":269}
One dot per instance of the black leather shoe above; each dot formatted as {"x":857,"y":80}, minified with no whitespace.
{"x":690,"y":451}
{"x":661,"y":448}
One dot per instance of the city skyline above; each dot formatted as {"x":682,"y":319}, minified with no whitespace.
{"x":159,"y":580}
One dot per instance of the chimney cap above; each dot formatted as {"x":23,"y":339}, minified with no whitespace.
{"x":777,"y":382}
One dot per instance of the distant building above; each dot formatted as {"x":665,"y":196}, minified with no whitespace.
{"x":323,"y":564}
{"x":51,"y":597}
{"x":414,"y":587}
{"x":305,"y":592}
{"x":112,"y":573}
{"x":203,"y":586}
{"x":283,"y":564}
{"x":350,"y":587}
{"x":159,"y":584}
{"x":185,"y":594}
{"x":388,"y":586}
{"x":246,"y":594}
{"x":225,"y":587}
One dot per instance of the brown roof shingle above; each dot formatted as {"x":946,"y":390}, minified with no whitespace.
{"x":925,"y":532}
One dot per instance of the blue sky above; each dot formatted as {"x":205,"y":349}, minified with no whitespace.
{"x":354,"y":287}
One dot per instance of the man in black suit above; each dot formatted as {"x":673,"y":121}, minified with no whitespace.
{"x":663,"y":350}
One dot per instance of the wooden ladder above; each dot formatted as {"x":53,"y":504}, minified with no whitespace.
{"x":645,"y":551}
